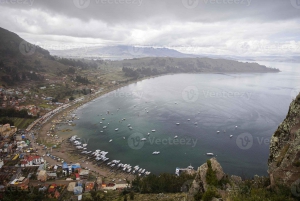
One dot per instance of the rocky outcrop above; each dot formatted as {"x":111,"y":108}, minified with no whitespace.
{"x":284,"y":158}
{"x":200,"y":183}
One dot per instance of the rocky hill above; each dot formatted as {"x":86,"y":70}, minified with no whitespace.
{"x":211,"y":183}
{"x":191,"y":65}
{"x":284,"y":159}
{"x":23,"y":61}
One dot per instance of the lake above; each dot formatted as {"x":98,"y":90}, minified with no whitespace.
{"x":246,"y":109}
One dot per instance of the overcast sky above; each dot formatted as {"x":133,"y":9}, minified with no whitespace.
{"x":220,"y":27}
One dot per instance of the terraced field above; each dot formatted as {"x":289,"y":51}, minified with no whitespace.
{"x":20,"y":123}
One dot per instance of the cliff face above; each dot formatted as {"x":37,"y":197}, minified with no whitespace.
{"x":284,"y":158}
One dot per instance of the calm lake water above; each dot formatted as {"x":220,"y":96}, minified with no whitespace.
{"x":255,"y":103}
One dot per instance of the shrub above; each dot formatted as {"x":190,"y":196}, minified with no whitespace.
{"x":209,"y":194}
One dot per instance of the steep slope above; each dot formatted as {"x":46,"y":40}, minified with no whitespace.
{"x":22,"y":61}
{"x":284,"y":159}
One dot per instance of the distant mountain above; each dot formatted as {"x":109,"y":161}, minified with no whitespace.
{"x":150,"y":66}
{"x":119,"y":52}
{"x":23,"y":61}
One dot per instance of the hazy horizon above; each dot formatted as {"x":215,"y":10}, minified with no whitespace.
{"x":216,"y":27}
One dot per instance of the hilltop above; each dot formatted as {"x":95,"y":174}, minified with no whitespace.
{"x":23,"y":61}
{"x":161,"y":65}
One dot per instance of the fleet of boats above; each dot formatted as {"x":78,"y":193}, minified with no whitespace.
{"x":101,"y":156}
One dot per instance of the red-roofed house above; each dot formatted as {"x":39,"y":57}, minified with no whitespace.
{"x":31,"y":160}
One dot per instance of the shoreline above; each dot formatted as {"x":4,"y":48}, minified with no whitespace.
{"x":71,"y":152}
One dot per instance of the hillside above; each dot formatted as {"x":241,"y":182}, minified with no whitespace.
{"x":158,"y":65}
{"x":119,"y":52}
{"x":22,"y":61}
{"x":284,"y":159}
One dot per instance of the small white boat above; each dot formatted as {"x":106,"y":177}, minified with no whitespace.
{"x":231,"y":136}
{"x":209,"y":154}
{"x":143,"y":139}
{"x":130,"y":128}
{"x":128,"y":125}
{"x":101,"y":131}
{"x":148,"y":134}
{"x":116,"y":129}
{"x":110,"y":140}
{"x":177,"y":123}
{"x":236,"y":126}
{"x":153,"y":130}
{"x":104,"y":127}
{"x":218,"y":131}
{"x":189,"y":120}
{"x":124,"y":138}
{"x":103,"y":118}
{"x":100,"y":122}
{"x":196,"y":123}
{"x":175,"y":137}
{"x":156,"y":153}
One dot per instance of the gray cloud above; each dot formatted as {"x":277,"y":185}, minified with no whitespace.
{"x":210,"y":26}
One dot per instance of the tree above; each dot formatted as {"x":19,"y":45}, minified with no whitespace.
{"x":131,"y":195}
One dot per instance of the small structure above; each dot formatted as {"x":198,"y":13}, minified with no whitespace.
{"x":77,"y":190}
{"x":84,"y":174}
{"x":42,"y":175}
{"x":189,"y":170}
{"x":89,"y":186}
{"x":71,"y":186}
{"x":51,"y":175}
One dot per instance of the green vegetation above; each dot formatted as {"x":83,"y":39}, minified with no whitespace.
{"x":164,"y":183}
{"x":10,"y":112}
{"x":209,"y":194}
{"x":77,"y":63}
{"x":82,"y":80}
{"x":253,"y":192}
{"x":155,"y":66}
{"x":211,"y":178}
{"x":282,"y":154}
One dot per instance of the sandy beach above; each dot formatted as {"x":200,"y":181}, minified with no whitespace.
{"x":67,"y":151}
